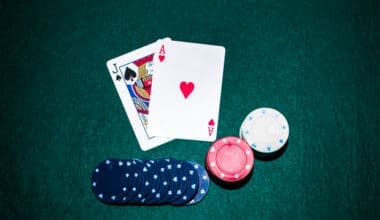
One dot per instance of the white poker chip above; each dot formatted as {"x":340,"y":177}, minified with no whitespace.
{"x":266,"y":130}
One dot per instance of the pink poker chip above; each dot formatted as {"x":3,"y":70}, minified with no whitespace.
{"x":230,"y":159}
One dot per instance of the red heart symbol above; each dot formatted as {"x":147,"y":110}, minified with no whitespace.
{"x":211,"y":122}
{"x":186,"y":88}
{"x":161,"y":58}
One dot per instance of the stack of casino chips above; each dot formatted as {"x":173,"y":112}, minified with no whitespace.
{"x":149,"y":182}
{"x":263,"y":135}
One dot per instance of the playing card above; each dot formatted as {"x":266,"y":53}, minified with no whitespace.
{"x":186,"y":92}
{"x":132,"y":74}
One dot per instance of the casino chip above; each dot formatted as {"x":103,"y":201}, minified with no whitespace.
{"x":108,"y":181}
{"x":230,"y":159}
{"x":203,"y":185}
{"x":266,"y":130}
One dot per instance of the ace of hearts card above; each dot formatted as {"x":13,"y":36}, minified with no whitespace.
{"x":186,"y":92}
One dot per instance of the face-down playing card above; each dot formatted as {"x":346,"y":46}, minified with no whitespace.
{"x":132,"y":74}
{"x":186,"y":91}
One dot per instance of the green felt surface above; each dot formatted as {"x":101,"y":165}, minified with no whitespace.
{"x":316,"y":61}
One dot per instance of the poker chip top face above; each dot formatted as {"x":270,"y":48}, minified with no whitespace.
{"x":230,"y":159}
{"x":108,"y":180}
{"x":266,"y":130}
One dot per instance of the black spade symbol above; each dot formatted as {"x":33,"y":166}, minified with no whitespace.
{"x":118,"y":78}
{"x":129,"y":74}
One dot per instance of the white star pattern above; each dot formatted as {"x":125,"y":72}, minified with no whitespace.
{"x":185,"y":179}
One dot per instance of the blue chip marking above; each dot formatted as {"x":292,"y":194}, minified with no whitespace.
{"x":154,"y":180}
{"x":145,"y":183}
{"x":173,"y":182}
{"x":188,"y":184}
{"x":163,"y":182}
{"x":126,"y":165}
{"x":204,"y":183}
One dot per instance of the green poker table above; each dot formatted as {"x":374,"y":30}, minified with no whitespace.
{"x":315,"y":61}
